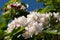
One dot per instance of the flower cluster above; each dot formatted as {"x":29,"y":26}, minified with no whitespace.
{"x":16,"y":23}
{"x":34,"y":23}
{"x":16,"y":5}
{"x":57,"y":16}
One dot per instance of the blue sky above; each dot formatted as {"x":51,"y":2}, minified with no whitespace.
{"x":32,"y":4}
{"x":2,"y":2}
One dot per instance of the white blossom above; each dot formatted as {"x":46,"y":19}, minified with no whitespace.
{"x":23,"y":7}
{"x":17,"y":4}
{"x":16,"y":23}
{"x":27,"y":5}
{"x":8,"y":6}
{"x":48,"y":14}
{"x":34,"y":23}
{"x":33,"y":16}
{"x":32,"y":28}
{"x":57,"y":15}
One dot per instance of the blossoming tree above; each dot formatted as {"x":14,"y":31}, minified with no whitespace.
{"x":41,"y":24}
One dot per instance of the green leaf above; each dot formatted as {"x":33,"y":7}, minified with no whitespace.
{"x":6,"y":16}
{"x":49,"y":31}
{"x":2,"y":25}
{"x":54,"y":3}
{"x":6,"y":13}
{"x":57,"y":27}
{"x":1,"y":34}
{"x":46,"y":9}
{"x":20,"y":30}
{"x":15,"y":31}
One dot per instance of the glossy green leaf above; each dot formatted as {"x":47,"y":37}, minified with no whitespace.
{"x":20,"y":30}
{"x":54,"y":32}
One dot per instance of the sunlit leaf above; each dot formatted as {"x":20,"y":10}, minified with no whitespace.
{"x":48,"y":31}
{"x":20,"y":30}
